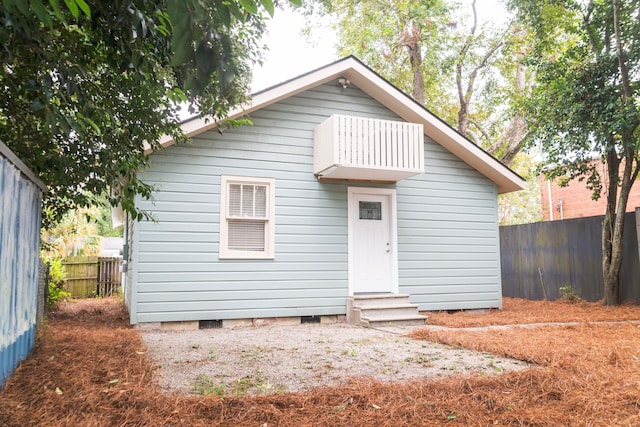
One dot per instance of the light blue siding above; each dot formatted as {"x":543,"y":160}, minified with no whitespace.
{"x":448,"y":244}
{"x":447,"y":224}
{"x":20,"y":209}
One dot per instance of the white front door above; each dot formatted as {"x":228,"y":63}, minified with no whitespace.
{"x":372,"y":246}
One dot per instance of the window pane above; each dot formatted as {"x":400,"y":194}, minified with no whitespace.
{"x":235,"y":191}
{"x":246,"y":235}
{"x":260,"y":201}
{"x":371,"y":210}
{"x":247,"y":200}
{"x":247,"y":223}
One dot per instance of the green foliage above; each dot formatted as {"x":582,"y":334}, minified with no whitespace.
{"x":254,"y":383}
{"x":103,"y":219}
{"x":460,"y":62}
{"x":76,"y":233}
{"x":105,"y":228}
{"x":468,"y":73}
{"x":79,"y":231}
{"x":568,"y":293}
{"x":205,"y":386}
{"x":586,"y":104}
{"x":55,"y":285}
{"x":377,"y":32}
{"x":522,"y":207}
{"x":86,"y":88}
{"x":579,"y":108}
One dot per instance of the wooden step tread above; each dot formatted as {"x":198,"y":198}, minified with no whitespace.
{"x":395,"y":321}
{"x":391,"y":318}
{"x":383,"y":307}
{"x":379,"y":296}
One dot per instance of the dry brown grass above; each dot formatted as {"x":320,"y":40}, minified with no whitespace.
{"x":519,"y":311}
{"x":586,"y":375}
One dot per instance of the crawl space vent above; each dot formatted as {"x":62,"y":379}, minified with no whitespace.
{"x":310,"y":319}
{"x":210,"y":324}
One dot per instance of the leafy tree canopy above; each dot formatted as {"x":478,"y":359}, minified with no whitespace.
{"x":586,"y":104}
{"x":466,"y":71}
{"x":85,"y":85}
{"x":469,"y":72}
{"x":384,"y":34}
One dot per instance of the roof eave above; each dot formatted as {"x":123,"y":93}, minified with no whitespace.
{"x":388,"y":95}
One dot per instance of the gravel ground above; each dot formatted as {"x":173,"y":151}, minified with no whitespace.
{"x":276,"y":358}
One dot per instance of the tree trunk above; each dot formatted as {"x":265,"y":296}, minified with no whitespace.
{"x":463,"y":118}
{"x":613,"y":224}
{"x":412,"y":43}
{"x":612,"y":233}
{"x":514,"y":138}
{"x":465,"y":94}
{"x":416,"y":69}
{"x":609,"y":227}
{"x":610,"y":276}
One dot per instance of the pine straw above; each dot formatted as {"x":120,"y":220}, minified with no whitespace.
{"x":587,"y":375}
{"x":520,"y":311}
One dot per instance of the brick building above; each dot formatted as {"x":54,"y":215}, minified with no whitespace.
{"x":574,"y":200}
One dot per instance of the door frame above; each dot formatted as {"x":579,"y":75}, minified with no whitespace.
{"x":393,"y":232}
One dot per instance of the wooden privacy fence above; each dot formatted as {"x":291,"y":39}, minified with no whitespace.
{"x":92,"y":276}
{"x":108,"y":275}
{"x":540,"y":258}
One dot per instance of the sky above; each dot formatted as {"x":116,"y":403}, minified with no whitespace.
{"x":290,"y":53}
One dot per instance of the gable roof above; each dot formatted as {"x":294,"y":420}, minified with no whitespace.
{"x":388,"y":95}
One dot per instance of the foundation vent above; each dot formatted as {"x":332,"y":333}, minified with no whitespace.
{"x":210,"y":324}
{"x":310,"y":319}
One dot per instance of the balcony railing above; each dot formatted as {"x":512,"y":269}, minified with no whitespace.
{"x":358,"y":148}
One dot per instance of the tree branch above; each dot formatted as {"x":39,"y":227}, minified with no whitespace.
{"x":624,"y":71}
{"x":480,"y":128}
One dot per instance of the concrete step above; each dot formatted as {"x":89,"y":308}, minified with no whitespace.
{"x":379,"y":299}
{"x":404,"y":320}
{"x":391,"y":310}
{"x":383,"y":310}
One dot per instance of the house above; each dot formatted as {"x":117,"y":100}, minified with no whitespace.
{"x":574,"y":200}
{"x":21,"y":299}
{"x":111,"y":246}
{"x":343,"y":186}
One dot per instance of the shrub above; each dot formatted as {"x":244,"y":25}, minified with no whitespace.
{"x":568,"y":293}
{"x":55,"y":284}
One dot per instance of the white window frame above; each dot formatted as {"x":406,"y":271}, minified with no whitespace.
{"x":269,"y":233}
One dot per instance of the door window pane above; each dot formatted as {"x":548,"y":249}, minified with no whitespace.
{"x":371,"y":211}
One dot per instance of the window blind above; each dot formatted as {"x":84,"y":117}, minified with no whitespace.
{"x":247,"y":201}
{"x":246,"y":235}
